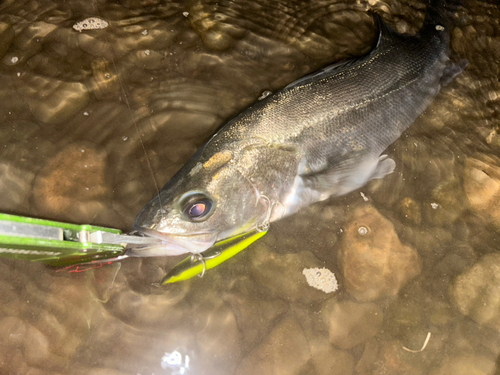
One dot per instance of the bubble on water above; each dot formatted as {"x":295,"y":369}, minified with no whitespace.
{"x":92,"y":23}
{"x":321,"y":278}
{"x":439,"y":28}
{"x":85,"y":113}
{"x":14,"y":59}
{"x":363,"y":231}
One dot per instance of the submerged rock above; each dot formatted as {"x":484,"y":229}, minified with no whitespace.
{"x":351,"y":323}
{"x":328,"y":360}
{"x":475,"y":292}
{"x":73,"y":184}
{"x":53,"y":101}
{"x":466,"y":365}
{"x":411,"y":211}
{"x":482,"y":187}
{"x":219,"y":341}
{"x":283,"y":352}
{"x":254,"y":313}
{"x":447,"y":203}
{"x":212,"y":28}
{"x":15,"y":186}
{"x":372,"y":259}
{"x":282,"y":274}
{"x":104,"y":83}
{"x":392,"y":359}
{"x":6,"y":36}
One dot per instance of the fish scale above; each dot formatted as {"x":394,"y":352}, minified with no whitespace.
{"x":320,"y":137}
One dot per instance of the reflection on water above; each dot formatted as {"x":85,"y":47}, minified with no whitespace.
{"x":86,"y":117}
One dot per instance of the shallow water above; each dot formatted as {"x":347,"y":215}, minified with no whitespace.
{"x":92,"y":122}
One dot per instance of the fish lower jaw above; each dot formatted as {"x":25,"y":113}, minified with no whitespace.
{"x":175,"y":244}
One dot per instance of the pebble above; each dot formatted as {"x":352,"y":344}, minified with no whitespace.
{"x":392,"y":359}
{"x":476,"y":291}
{"x":281,"y":274}
{"x":254,"y":313}
{"x":60,"y":190}
{"x":350,"y":323}
{"x":6,"y":37}
{"x":482,"y":187}
{"x":368,"y":357}
{"x":447,"y":204}
{"x":468,"y":364}
{"x":281,"y":352}
{"x":373,"y":261}
{"x":15,"y":186}
{"x":163,"y":311}
{"x":104,"y":83}
{"x":53,"y":101}
{"x":329,"y":360}
{"x":219,"y":341}
{"x":411,"y":211}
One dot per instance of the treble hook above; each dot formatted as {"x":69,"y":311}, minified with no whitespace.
{"x":264,"y":226}
{"x":197,"y":257}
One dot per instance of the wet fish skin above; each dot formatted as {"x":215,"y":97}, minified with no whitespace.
{"x":322,"y":136}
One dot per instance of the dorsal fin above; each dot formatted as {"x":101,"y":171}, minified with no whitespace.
{"x":386,"y":37}
{"x":326,"y":71}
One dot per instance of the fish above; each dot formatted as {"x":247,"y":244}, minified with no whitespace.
{"x":322,"y":136}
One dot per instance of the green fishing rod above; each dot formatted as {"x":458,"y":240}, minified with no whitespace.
{"x":59,"y":244}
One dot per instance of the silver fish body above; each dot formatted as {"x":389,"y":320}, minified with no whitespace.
{"x":322,"y":136}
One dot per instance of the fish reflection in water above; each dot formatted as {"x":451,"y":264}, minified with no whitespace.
{"x":322,"y":136}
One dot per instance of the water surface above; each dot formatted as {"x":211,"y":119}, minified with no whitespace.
{"x":92,"y":122}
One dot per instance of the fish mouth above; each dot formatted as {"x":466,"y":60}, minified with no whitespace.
{"x":173,"y":244}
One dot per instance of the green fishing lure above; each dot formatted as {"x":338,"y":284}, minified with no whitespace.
{"x":197,"y":264}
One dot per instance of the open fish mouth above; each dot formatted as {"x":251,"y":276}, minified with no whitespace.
{"x":172,"y":244}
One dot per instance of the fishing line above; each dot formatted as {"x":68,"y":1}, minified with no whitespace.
{"x":139,"y":135}
{"x":133,"y":116}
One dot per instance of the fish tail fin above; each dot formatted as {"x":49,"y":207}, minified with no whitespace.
{"x":440,"y":14}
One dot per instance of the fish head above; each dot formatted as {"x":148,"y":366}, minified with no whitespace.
{"x":205,"y":202}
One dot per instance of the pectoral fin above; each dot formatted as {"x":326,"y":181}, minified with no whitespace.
{"x":384,"y":167}
{"x":346,"y":175}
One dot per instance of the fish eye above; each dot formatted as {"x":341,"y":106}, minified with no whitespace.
{"x":197,"y":207}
